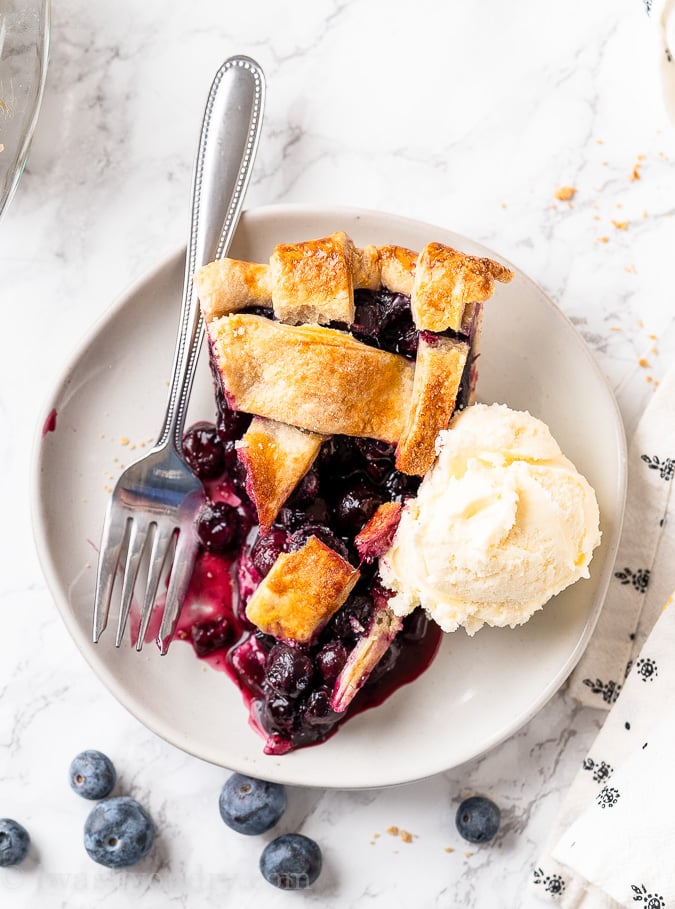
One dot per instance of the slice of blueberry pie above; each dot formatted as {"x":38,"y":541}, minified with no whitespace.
{"x":335,"y":369}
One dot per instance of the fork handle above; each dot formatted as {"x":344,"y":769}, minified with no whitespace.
{"x":228,"y":143}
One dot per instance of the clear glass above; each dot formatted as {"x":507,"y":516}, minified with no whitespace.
{"x":24,"y":48}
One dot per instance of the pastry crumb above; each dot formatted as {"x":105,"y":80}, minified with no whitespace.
{"x":392,"y":831}
{"x":449,"y":849}
{"x":643,"y":362}
{"x":620,"y":225}
{"x":635,"y":175}
{"x":616,"y":328}
{"x":405,"y":836}
{"x":565,"y":193}
{"x":631,"y":269}
{"x":468,"y":854}
{"x":124,"y":440}
{"x":603,"y":239}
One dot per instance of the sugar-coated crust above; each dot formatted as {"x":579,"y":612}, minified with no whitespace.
{"x":228,"y":285}
{"x":377,"y":534}
{"x":301,"y":592}
{"x":315,"y":378}
{"x":438,"y":372}
{"x":366,"y":267}
{"x":397,"y":268}
{"x":446,"y":280}
{"x":276,"y":457}
{"x":312,"y":281}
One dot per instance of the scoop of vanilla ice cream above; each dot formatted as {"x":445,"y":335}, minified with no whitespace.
{"x":501,"y":523}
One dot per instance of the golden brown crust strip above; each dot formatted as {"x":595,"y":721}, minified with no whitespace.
{"x":276,"y":457}
{"x":301,"y":592}
{"x":311,"y":377}
{"x":445,"y":281}
{"x":438,"y":372}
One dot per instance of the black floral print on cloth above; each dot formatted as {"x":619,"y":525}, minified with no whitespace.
{"x":666,"y":468}
{"x":551,"y":883}
{"x":608,"y":797}
{"x":639,"y":579}
{"x":646,"y":669}
{"x":609,"y":690}
{"x":650,"y":900}
{"x":601,"y":769}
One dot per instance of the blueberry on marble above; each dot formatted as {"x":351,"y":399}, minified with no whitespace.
{"x":291,"y":862}
{"x":251,"y":806}
{"x":14,"y":842}
{"x":118,"y":833}
{"x":92,"y":775}
{"x":478,"y":819}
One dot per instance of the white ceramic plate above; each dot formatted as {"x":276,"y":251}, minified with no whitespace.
{"x":479,"y":690}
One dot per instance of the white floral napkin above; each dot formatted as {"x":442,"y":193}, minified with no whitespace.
{"x":612,"y":841}
{"x":644,"y":572}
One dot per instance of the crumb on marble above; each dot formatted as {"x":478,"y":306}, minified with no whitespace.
{"x":616,"y":328}
{"x":643,"y":362}
{"x":599,"y":141}
{"x":620,"y":225}
{"x":640,"y":323}
{"x":449,"y":849}
{"x":631,"y":269}
{"x":565,"y":193}
{"x":124,"y":440}
{"x":392,"y":831}
{"x":406,"y":836}
{"x":653,"y":337}
{"x":468,"y":854}
{"x":635,"y":175}
{"x":596,"y":217}
{"x":503,"y":204}
{"x":603,"y":239}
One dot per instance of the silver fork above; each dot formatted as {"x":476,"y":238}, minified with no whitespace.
{"x":154,"y":504}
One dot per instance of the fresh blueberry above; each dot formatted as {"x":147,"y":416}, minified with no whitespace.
{"x":477,"y":819}
{"x":291,"y":862}
{"x":118,"y":833}
{"x":92,"y":775}
{"x":251,"y":806}
{"x":14,"y":842}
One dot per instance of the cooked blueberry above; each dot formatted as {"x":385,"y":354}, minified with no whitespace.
{"x":330,"y":660}
{"x":356,"y":506}
{"x":338,"y":458}
{"x":307,"y":489}
{"x":300,"y":536}
{"x":401,"y":486}
{"x":392,"y":305}
{"x":219,"y":527}
{"x":317,"y":709}
{"x":291,"y":862}
{"x":478,"y":819}
{"x":14,"y":842}
{"x":92,"y":775}
{"x":204,"y":451}
{"x":279,"y":714}
{"x":353,"y":619}
{"x":207,"y":637}
{"x":118,"y":833}
{"x":288,"y":670}
{"x":266,"y":550}
{"x":232,"y":424}
{"x":293,"y":516}
{"x":251,"y":806}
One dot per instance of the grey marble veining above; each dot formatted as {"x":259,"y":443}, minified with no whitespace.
{"x":469,"y":116}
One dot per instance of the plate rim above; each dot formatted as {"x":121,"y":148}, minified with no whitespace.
{"x":59,"y":593}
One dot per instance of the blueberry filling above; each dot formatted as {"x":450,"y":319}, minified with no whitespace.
{"x":287,"y":686}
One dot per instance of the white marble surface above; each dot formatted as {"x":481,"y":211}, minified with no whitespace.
{"x":465,"y":115}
